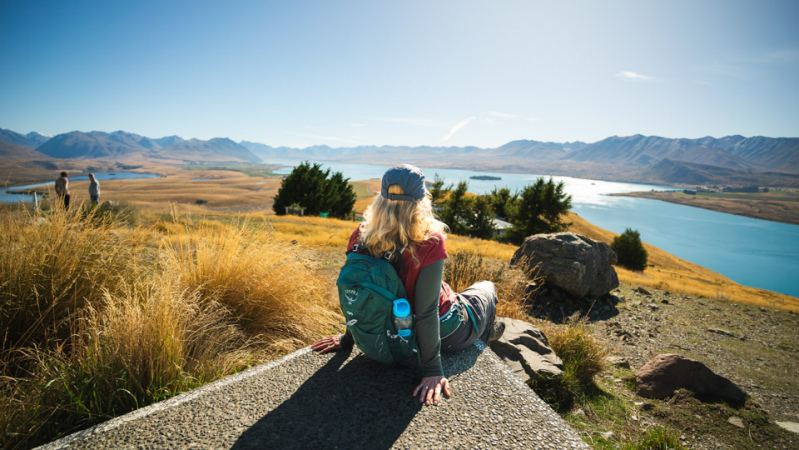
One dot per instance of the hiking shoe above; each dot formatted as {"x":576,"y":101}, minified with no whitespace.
{"x":497,"y":329}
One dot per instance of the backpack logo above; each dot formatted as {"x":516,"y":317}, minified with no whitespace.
{"x":351,"y":295}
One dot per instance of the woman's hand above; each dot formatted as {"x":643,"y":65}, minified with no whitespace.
{"x":430,"y":389}
{"x":328,"y":344}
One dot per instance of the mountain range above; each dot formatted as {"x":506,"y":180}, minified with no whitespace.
{"x":652,"y":159}
{"x":121,"y":145}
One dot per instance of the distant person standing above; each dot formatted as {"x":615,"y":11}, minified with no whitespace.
{"x":94,"y":190}
{"x":62,"y":189}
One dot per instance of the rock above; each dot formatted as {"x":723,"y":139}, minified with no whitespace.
{"x":524,"y":348}
{"x":618,"y":361}
{"x":664,"y":374}
{"x":790,"y":426}
{"x":607,"y":435}
{"x":720,"y":331}
{"x":643,"y":291}
{"x":737,"y":421}
{"x":574,"y":263}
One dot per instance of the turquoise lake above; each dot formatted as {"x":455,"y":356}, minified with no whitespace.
{"x":749,"y":251}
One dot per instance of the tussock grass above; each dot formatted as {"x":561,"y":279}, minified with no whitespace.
{"x":50,"y":268}
{"x":101,"y":318}
{"x":583,"y":358}
{"x":266,"y":283}
{"x":463,"y":268}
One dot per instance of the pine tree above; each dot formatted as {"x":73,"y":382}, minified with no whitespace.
{"x":456,"y":209}
{"x":500,"y":199}
{"x":538,"y":209}
{"x":309,"y":187}
{"x":480,"y":219}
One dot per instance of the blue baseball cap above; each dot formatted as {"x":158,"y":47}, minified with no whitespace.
{"x":410,"y":179}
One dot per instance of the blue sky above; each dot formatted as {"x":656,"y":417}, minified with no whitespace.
{"x":346,"y":73}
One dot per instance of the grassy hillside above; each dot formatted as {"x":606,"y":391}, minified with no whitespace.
{"x":230,"y":191}
{"x":106,"y":312}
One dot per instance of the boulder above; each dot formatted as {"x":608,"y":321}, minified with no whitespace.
{"x":618,"y":361}
{"x":574,"y":263}
{"x":524,"y":348}
{"x":664,"y":374}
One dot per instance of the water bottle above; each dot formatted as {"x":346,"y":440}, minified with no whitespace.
{"x":403,"y":319}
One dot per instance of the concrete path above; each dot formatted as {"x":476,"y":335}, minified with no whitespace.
{"x":342,"y":401}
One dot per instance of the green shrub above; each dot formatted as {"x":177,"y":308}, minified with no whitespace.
{"x":630,"y":251}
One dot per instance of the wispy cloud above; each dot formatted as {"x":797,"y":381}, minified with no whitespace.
{"x":633,"y":76}
{"x":512,"y":116}
{"x":458,"y":126}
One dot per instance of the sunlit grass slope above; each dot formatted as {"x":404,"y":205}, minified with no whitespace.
{"x":101,"y":318}
{"x":103,"y":315}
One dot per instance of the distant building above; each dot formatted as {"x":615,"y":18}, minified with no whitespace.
{"x":500,"y":226}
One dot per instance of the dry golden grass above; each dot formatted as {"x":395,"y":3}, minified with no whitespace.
{"x":312,"y":231}
{"x":188,"y":293}
{"x":265,"y":282}
{"x":101,"y":318}
{"x":50,"y":268}
{"x":464,"y":268}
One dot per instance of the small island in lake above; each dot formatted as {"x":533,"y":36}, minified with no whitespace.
{"x":484,"y":177}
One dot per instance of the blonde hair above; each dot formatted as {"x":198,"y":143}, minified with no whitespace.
{"x":391,"y":225}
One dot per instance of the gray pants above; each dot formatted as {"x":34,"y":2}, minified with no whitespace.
{"x":481,"y":299}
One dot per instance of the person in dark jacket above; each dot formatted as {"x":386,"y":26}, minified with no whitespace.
{"x":62,"y":189}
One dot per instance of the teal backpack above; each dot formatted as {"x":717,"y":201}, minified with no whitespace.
{"x":367,"y":288}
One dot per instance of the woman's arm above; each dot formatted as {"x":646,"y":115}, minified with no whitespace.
{"x":428,"y":290}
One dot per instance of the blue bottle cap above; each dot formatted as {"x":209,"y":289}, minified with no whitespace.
{"x":401,"y":308}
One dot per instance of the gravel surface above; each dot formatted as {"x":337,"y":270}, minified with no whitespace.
{"x":343,"y":400}
{"x":756,"y":348}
